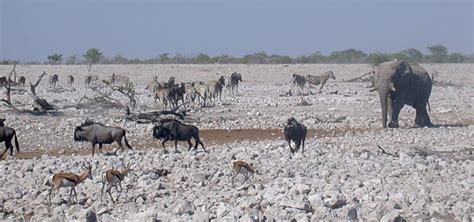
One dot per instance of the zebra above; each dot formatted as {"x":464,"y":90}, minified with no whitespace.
{"x":321,"y":79}
{"x":53,"y":80}
{"x":216,"y":88}
{"x":233,"y":82}
{"x":202,"y":92}
{"x":115,"y":79}
{"x":70,"y":80}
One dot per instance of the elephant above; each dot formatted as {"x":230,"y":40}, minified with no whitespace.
{"x":400,"y":83}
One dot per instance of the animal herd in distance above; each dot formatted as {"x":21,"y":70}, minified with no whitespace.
{"x":389,"y":79}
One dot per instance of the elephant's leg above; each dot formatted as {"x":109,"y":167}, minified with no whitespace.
{"x":422,"y":118}
{"x":396,"y":108}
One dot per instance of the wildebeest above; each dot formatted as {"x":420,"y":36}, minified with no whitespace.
{"x":234,"y":80}
{"x":6,"y":135}
{"x":321,"y":79}
{"x":70,"y":80}
{"x":97,"y":133}
{"x":22,"y":81}
{"x":174,"y":130}
{"x":295,"y":131}
{"x":298,"y":80}
{"x":3,"y":80}
{"x":53,"y":80}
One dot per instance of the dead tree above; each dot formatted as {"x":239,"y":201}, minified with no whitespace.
{"x":7,"y":86}
{"x":361,"y":78}
{"x":45,"y":106}
{"x":152,"y":116}
{"x":105,"y":94}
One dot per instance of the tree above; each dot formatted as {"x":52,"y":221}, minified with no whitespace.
{"x":93,"y":56}
{"x":456,"y":58}
{"x":54,"y":58}
{"x":71,"y":60}
{"x":413,"y":55}
{"x":118,"y":59}
{"x":202,"y":58}
{"x":377,"y":58}
{"x":164,"y":58}
{"x":347,"y":56}
{"x":439,"y":53}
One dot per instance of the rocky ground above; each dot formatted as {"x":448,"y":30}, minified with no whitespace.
{"x":423,"y":173}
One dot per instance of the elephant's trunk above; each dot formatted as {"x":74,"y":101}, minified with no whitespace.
{"x":384,"y":104}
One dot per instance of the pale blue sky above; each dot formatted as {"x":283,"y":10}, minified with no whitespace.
{"x":33,"y":29}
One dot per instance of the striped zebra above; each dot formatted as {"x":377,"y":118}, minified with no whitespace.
{"x":233,"y":82}
{"x":216,"y":87}
{"x":202,"y":92}
{"x":321,"y":79}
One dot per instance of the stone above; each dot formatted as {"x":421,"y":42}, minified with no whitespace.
{"x":334,"y":199}
{"x":91,"y":216}
{"x":201,"y":216}
{"x":184,"y":207}
{"x":300,"y":203}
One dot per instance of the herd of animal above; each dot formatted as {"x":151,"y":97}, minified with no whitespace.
{"x":398,"y":82}
{"x":169,"y":93}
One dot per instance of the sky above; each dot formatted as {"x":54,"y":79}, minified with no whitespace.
{"x":33,"y":29}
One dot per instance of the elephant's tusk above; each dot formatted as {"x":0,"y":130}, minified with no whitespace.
{"x":392,"y":86}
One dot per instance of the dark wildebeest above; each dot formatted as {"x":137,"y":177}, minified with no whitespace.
{"x":178,"y":92}
{"x":298,"y":80}
{"x":3,"y":80}
{"x":295,"y":131}
{"x":6,"y":135}
{"x":53,"y":80}
{"x":234,"y":80}
{"x":22,"y":81}
{"x":97,"y":133}
{"x":70,"y":80}
{"x":174,"y":130}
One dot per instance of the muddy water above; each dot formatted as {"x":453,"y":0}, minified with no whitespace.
{"x":209,"y":137}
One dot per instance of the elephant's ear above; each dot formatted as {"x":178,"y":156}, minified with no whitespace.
{"x":404,"y":68}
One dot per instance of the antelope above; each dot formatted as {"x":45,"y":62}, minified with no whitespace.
{"x":113,"y":178}
{"x":63,"y":179}
{"x":241,"y":167}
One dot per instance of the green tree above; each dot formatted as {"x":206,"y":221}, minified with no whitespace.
{"x":413,"y":55}
{"x":439,"y":53}
{"x":93,"y":56}
{"x":202,"y":58}
{"x":347,"y":56}
{"x":456,"y":58}
{"x":71,"y":60}
{"x":317,"y":57}
{"x":118,"y":59}
{"x":55,"y":58}
{"x":377,"y":58}
{"x":164,"y":58}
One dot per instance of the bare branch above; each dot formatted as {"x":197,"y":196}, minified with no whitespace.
{"x":385,"y":152}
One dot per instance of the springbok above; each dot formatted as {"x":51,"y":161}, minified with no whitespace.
{"x":113,"y":178}
{"x":241,"y":167}
{"x":64,"y":179}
